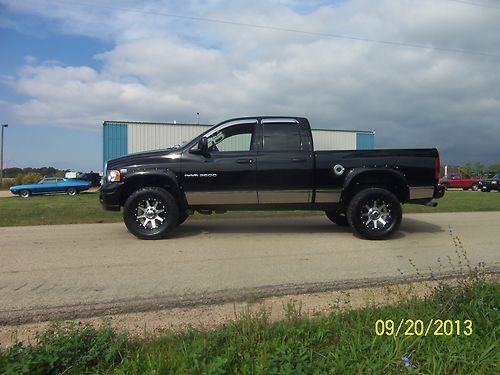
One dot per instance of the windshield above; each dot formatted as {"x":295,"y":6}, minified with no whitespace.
{"x":186,"y":142}
{"x":497,"y":176}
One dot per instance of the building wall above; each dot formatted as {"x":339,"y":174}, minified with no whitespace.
{"x":156,"y":136}
{"x":333,"y":140}
{"x":365,"y":141}
{"x":115,"y":140}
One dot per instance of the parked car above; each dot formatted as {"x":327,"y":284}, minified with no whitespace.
{"x":489,"y":184}
{"x":49,"y":185}
{"x":456,"y":180}
{"x":92,"y":177}
{"x":268,"y":163}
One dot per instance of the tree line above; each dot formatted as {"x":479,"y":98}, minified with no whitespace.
{"x":14,"y":172}
{"x":476,"y":170}
{"x":22,"y":176}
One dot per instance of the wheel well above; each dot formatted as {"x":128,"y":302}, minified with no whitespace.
{"x":385,"y":180}
{"x":163,"y":182}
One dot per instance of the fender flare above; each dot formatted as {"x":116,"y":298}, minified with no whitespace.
{"x":166,"y":176}
{"x":360,"y":173}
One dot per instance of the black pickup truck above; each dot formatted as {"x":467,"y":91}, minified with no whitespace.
{"x":268,"y":163}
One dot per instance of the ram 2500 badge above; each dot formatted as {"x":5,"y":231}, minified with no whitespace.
{"x":268,"y":163}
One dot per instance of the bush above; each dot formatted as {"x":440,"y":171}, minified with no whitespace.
{"x":66,"y":346}
{"x":7,"y":183}
{"x":27,"y":178}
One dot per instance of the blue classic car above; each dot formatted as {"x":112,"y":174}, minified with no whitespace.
{"x":50,"y":185}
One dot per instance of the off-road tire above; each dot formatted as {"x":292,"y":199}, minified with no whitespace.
{"x":148,"y":205}
{"x":182,"y":218}
{"x":338,"y":217}
{"x":370,"y":209}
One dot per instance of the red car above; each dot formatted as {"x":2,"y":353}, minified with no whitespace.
{"x":458,"y":181}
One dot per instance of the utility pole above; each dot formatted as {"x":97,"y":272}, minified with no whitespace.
{"x":1,"y":156}
{"x":198,"y":115}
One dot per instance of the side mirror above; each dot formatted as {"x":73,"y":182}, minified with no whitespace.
{"x":202,"y":147}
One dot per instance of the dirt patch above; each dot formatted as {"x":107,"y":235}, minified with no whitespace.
{"x":154,"y":323}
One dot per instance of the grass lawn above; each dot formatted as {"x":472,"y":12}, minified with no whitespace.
{"x":339,"y":343}
{"x":85,"y":208}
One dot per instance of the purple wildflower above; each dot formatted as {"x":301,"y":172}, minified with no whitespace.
{"x":406,"y":360}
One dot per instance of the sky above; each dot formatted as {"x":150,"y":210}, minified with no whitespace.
{"x":421,"y":73}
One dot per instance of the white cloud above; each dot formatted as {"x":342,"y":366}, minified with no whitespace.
{"x":163,"y":68}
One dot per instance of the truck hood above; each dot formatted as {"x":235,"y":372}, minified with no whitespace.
{"x":145,"y":158}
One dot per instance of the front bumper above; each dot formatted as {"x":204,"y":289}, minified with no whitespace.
{"x":109,"y":196}
{"x":488,"y":186}
{"x":439,"y":191}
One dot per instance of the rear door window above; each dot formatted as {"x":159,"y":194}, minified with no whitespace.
{"x":281,"y":136}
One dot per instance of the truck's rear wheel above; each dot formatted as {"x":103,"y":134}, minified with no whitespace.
{"x":338,"y":217}
{"x":150,"y":213}
{"x":475,"y":187}
{"x":374,"y":213}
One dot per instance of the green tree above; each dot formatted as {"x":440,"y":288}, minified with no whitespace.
{"x":468,"y":170}
{"x":28,"y":178}
{"x":493,"y":168}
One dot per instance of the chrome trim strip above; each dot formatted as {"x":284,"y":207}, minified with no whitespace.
{"x":284,"y":196}
{"x":421,"y":192}
{"x":221,"y":197}
{"x":328,"y":195}
{"x":273,"y":120}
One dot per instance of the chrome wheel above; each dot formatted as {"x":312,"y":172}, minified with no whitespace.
{"x":376,"y":215}
{"x":150,"y":213}
{"x":24,"y":193}
{"x":71,"y":191}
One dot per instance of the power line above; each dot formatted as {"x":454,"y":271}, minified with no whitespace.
{"x":303,"y":32}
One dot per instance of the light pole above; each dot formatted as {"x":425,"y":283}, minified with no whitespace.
{"x":1,"y":156}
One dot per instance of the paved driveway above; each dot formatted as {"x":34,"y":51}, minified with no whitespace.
{"x":88,"y":269}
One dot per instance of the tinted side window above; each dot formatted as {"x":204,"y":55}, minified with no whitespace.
{"x":281,"y":137}
{"x":233,"y":138}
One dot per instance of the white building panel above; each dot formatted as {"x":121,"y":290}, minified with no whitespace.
{"x":142,"y":137}
{"x":334,"y":140}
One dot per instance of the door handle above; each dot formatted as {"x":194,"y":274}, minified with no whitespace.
{"x":299,"y":160}
{"x":244,"y":161}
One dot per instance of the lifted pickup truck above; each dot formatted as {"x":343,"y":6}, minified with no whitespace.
{"x":268,"y":163}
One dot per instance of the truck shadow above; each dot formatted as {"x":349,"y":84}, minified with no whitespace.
{"x":411,"y":226}
{"x":309,"y":225}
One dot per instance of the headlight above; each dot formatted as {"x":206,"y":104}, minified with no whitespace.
{"x":113,"y":176}
{"x":493,"y":182}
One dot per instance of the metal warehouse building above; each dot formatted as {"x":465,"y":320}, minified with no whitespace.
{"x":126,"y":137}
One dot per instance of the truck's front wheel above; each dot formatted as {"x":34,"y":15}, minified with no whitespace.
{"x":374,"y":213}
{"x":150,"y":213}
